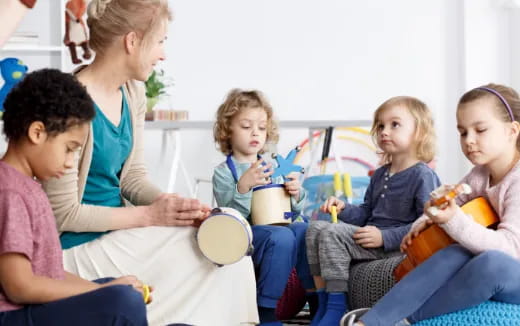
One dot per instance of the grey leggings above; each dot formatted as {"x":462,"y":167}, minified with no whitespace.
{"x":331,"y":249}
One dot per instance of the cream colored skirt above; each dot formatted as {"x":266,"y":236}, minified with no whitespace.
{"x":187,"y":287}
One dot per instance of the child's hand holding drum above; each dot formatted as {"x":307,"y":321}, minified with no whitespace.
{"x":257,"y":175}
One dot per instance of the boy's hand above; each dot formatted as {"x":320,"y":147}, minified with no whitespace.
{"x":332,"y":201}
{"x":442,"y":214}
{"x":418,"y":228}
{"x":293,"y":185}
{"x":132,"y":281}
{"x":255,"y":176}
{"x":369,"y":237}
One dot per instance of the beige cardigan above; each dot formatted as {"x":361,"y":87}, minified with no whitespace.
{"x":66,"y":193}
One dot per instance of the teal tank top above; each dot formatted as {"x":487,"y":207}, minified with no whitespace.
{"x":111,"y":148}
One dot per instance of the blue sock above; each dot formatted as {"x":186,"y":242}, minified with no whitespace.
{"x":336,"y":308}
{"x":322,"y":306}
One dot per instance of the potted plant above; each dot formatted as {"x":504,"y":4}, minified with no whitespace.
{"x":155,"y":87}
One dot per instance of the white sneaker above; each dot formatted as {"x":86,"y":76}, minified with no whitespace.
{"x":352,"y":316}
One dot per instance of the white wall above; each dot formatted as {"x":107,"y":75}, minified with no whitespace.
{"x":333,"y":59}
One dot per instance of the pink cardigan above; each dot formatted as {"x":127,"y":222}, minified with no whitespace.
{"x":504,"y":198}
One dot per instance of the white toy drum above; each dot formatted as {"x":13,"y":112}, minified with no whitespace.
{"x":225,"y":236}
{"x":271,"y":205}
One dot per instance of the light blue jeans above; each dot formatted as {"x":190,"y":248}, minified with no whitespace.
{"x":452,"y":279}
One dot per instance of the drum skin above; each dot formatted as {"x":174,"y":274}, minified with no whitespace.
{"x":225,"y":236}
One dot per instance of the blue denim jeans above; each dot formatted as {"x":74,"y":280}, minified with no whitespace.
{"x":452,"y":279}
{"x":117,"y":305}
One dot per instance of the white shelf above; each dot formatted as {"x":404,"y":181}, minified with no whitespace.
{"x":46,"y":22}
{"x":31,"y":48}
{"x":311,"y":124}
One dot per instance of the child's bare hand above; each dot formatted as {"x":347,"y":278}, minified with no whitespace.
{"x":132,"y":281}
{"x":441,"y":214}
{"x":369,"y":237}
{"x":418,"y":228}
{"x":293,"y":185}
{"x":332,"y":201}
{"x":255,"y":176}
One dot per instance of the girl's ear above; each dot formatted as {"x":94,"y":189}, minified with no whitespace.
{"x":515,"y":129}
{"x":36,"y":133}
{"x":131,"y":42}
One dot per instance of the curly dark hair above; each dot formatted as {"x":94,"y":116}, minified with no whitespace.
{"x":55,"y":98}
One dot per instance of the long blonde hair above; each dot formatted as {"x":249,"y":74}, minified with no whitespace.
{"x":109,"y":19}
{"x":425,"y":139}
{"x":236,"y":101}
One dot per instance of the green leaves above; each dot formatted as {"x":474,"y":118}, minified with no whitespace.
{"x":155,"y":85}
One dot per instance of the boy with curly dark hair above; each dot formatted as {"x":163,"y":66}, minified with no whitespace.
{"x":46,"y":121}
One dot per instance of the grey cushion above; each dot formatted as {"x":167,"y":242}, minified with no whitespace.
{"x":371,"y":280}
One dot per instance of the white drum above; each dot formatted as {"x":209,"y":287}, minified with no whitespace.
{"x":225,"y":236}
{"x":271,"y":205}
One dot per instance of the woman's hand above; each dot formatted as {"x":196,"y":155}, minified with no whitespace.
{"x":368,"y":237}
{"x":293,"y":185}
{"x":256,"y":175}
{"x":332,"y":201}
{"x":174,"y":210}
{"x":418,"y":228}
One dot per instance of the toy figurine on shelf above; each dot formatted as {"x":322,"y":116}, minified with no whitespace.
{"x":75,"y":30}
{"x":12,"y":70}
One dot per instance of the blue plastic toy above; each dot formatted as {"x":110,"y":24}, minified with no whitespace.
{"x":12,"y":70}
{"x":285,"y":165}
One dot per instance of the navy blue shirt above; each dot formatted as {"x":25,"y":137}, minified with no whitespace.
{"x":393,"y":203}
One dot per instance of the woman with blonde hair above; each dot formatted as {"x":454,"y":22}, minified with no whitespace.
{"x":151,"y":238}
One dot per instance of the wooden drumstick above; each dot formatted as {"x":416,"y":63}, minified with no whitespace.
{"x":441,"y":201}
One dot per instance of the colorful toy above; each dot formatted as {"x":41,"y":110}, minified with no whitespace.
{"x":441,"y":196}
{"x":434,"y":238}
{"x":225,"y":236}
{"x":146,"y":294}
{"x":286,"y":165}
{"x":334,"y":214}
{"x":75,"y":30}
{"x":338,"y":192}
{"x":347,"y":184}
{"x":271,"y":204}
{"x":12,"y":70}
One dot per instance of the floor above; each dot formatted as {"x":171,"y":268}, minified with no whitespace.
{"x":301,"y":319}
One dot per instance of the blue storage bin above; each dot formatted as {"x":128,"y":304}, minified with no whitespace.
{"x":321,"y":187}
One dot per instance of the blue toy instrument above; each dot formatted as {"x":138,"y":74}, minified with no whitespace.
{"x":271,"y":204}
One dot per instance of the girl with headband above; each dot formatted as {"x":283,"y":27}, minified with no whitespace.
{"x":484,"y":263}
